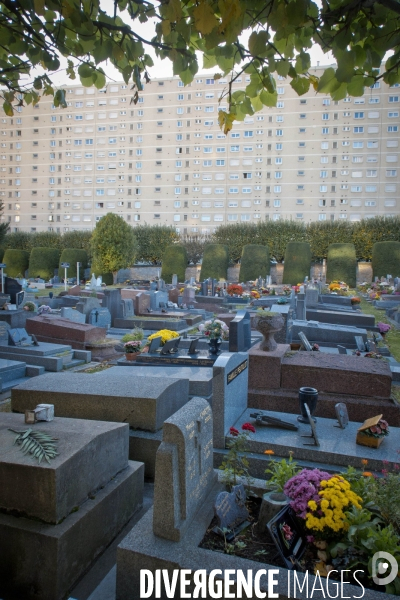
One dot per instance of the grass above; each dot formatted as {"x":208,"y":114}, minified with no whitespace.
{"x":392,"y":338}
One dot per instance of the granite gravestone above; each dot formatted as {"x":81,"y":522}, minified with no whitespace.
{"x":173,"y":295}
{"x":305,"y":342}
{"x":19,"y":299}
{"x":229,"y":390}
{"x":230,"y":508}
{"x":86,"y":305}
{"x":73,"y":315}
{"x":100,"y":317}
{"x":4,"y":327}
{"x":204,"y":288}
{"x":19,"y":337}
{"x":300,"y":307}
{"x":112,"y":301}
{"x":127,"y":307}
{"x":188,"y":295}
{"x":342,"y":415}
{"x":174,"y":280}
{"x":311,"y":296}
{"x":184,"y":472}
{"x":240,"y":332}
{"x":142,"y":303}
{"x":157,"y":297}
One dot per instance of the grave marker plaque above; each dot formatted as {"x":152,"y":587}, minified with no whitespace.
{"x":360,"y":343}
{"x":19,"y":337}
{"x":230,"y":509}
{"x":305,"y":342}
{"x":287,"y":536}
{"x":342,"y":415}
{"x":184,"y":473}
{"x":154,"y":344}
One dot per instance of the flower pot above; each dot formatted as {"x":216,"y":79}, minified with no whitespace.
{"x":272,"y":503}
{"x":267,"y":325}
{"x":309,"y":396}
{"x":131,"y":355}
{"x":367,"y":440}
{"x":214,"y":345}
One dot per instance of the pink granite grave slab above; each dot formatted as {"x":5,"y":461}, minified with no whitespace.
{"x":336,"y":373}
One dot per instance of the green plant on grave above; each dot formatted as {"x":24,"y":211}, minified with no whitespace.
{"x":236,"y":464}
{"x":280,"y":472}
{"x":37,"y":443}
{"x":136,"y":334}
{"x":231,"y":548}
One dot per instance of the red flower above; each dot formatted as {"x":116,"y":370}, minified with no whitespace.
{"x":233,"y":431}
{"x":248,"y":427}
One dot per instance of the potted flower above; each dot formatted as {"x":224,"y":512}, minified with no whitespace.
{"x":355,"y":300}
{"x":29,"y":306}
{"x":372,"y":432}
{"x":132,"y":349}
{"x":234,"y":289}
{"x":215,"y":330}
{"x":383,"y":328}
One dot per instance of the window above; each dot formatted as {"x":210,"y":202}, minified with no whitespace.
{"x":358,"y":129}
{"x":358,"y":115}
{"x":279,"y":132}
{"x":393,"y":99}
{"x":392,"y":128}
{"x":372,"y":173}
{"x":325,"y":116}
{"x":391,"y":173}
{"x":323,"y":174}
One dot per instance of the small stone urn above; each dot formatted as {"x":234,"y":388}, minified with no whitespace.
{"x":267,"y":325}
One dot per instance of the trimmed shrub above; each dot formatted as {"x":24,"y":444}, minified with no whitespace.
{"x":386,"y":259}
{"x":255,"y":262}
{"x":297,"y":262}
{"x":43,"y":261}
{"x":174,"y":262}
{"x":215,"y":262}
{"x":72,"y":256}
{"x":17,"y":262}
{"x":2,"y":254}
{"x":342,"y":264}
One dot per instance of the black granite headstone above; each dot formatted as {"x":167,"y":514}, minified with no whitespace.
{"x":154,"y":344}
{"x":240,"y":332}
{"x":230,"y":508}
{"x":12,"y":287}
{"x":287,"y":536}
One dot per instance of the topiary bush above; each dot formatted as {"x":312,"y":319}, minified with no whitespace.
{"x":17,"y":262}
{"x":43,"y":261}
{"x":254,"y":262}
{"x":72,"y":256}
{"x":342,"y":264}
{"x":106,"y":278}
{"x":215,"y":262}
{"x":174,"y":262}
{"x":297,"y":262}
{"x":386,"y":259}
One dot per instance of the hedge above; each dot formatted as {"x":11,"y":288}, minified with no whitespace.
{"x":342,"y":264}
{"x":386,"y":259}
{"x":17,"y":262}
{"x":215,"y":262}
{"x":297,"y":262}
{"x":153,"y":240}
{"x":72,"y":256}
{"x":254,"y":263}
{"x":174,"y":262}
{"x":43,"y":261}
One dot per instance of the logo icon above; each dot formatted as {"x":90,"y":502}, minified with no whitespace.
{"x":381,"y":561}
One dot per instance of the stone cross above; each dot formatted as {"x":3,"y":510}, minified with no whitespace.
{"x":184,"y":472}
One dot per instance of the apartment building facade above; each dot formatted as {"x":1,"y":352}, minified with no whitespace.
{"x":165,"y":160}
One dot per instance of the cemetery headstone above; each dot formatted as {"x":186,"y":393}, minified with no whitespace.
{"x":192,"y":347}
{"x":305,"y":342}
{"x":112,"y":301}
{"x":230,"y":388}
{"x":287,"y":536}
{"x":188,"y":295}
{"x":19,"y":337}
{"x":170,"y":346}
{"x":204,"y":288}
{"x":154,"y":344}
{"x":360,"y":343}
{"x":230,"y":509}
{"x":153,"y":286}
{"x":100,"y":317}
{"x":342,"y":349}
{"x":184,"y":472}
{"x":161,"y":285}
{"x":312,"y":295}
{"x":173,"y":295}
{"x":300,"y":307}
{"x":86,"y":305}
{"x":157,"y":297}
{"x":12,"y":287}
{"x":342,"y":414}
{"x":142,"y":303}
{"x":73,"y":315}
{"x":19,"y":298}
{"x":4,"y":327}
{"x":240,"y":332}
{"x":127,"y":305}
{"x":174,"y":280}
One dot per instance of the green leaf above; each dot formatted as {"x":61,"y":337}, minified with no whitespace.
{"x":301,"y":85}
{"x":269,"y":99}
{"x":356,"y":86}
{"x":85,"y":71}
{"x":328,"y":81}
{"x":258,"y":42}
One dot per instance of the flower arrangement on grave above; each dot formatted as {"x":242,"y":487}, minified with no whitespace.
{"x":234,"y":289}
{"x":164,"y":334}
{"x":44,"y":309}
{"x":132,"y":347}
{"x":355,"y":300}
{"x":214,"y":329}
{"x":338,"y":287}
{"x":374,"y":355}
{"x":287,"y":290}
{"x":383,"y":328}
{"x":255,"y":294}
{"x":29,"y":306}
{"x":380,"y":430}
{"x":236,"y":463}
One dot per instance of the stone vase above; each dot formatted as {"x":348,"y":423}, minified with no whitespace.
{"x":272,"y":503}
{"x":268,"y":325}
{"x":214,"y":344}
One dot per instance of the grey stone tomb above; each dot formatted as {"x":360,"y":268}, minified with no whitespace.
{"x":174,"y":280}
{"x":230,"y":388}
{"x":184,"y":472}
{"x":240,"y":332}
{"x":73,"y":315}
